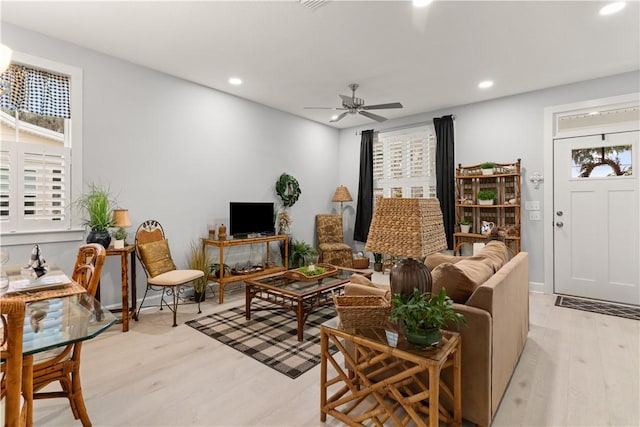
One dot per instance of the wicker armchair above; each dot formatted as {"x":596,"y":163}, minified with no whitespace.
{"x":12,"y":313}
{"x":331,"y":246}
{"x":63,"y":365}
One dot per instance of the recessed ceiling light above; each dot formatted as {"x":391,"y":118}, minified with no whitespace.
{"x":612,"y":8}
{"x":485,"y":84}
{"x":421,"y":3}
{"x":235,"y":81}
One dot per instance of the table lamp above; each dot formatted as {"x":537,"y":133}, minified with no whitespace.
{"x":407,"y":228}
{"x":121,"y":218}
{"x":341,"y":195}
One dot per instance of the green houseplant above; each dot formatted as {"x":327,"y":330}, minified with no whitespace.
{"x":97,"y":207}
{"x":486,"y":197}
{"x":422,"y":315}
{"x":377,"y":262}
{"x":197,"y":259}
{"x":465,"y":226}
{"x":487,"y":168}
{"x":300,"y":251}
{"x":119,"y":237}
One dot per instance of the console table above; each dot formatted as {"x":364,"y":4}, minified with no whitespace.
{"x":223,"y":278}
{"x":381,"y":382}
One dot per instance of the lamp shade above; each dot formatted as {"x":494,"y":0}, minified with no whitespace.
{"x":121,"y":218}
{"x":341,"y":195}
{"x":406,"y":228}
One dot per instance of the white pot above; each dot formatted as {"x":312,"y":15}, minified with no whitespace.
{"x":487,"y":171}
{"x":118,"y":244}
{"x":465,"y":228}
{"x":485,"y":202}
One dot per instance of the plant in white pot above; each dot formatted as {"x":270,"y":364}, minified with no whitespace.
{"x":487,"y":168}
{"x":465,"y":226}
{"x":119,"y":237}
{"x":486,"y":197}
{"x":423,"y":315}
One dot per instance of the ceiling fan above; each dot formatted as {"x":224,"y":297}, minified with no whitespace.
{"x":353,"y":105}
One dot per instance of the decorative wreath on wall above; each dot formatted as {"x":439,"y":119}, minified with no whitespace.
{"x":288,"y":189}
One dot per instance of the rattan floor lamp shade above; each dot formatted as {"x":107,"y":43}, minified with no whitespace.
{"x":411,"y":229}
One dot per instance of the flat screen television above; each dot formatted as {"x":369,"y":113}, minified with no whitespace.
{"x":250,"y":218}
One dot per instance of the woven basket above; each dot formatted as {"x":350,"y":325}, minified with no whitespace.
{"x":362,"y":311}
{"x":361,"y":263}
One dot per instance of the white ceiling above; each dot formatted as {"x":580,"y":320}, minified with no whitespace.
{"x":291,"y":56}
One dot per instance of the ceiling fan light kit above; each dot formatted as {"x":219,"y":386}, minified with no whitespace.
{"x":354,"y":105}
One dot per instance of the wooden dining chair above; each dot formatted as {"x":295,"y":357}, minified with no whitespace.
{"x":152,"y":249}
{"x":12,"y":313}
{"x":63,"y":365}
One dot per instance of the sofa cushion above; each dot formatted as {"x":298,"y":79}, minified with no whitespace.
{"x":495,"y":252}
{"x":360,"y":279}
{"x":460,"y":280}
{"x":433,"y":260}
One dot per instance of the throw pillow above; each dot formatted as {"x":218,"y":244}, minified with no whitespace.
{"x":460,"y":280}
{"x":156,"y":257}
{"x":360,"y":280}
{"x":496,"y":253}
{"x":433,"y":260}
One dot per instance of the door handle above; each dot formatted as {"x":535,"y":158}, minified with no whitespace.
{"x":559,"y":224}
{"x":559,"y":213}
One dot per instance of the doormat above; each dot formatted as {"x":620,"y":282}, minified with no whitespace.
{"x":270,"y":337}
{"x":626,"y":311}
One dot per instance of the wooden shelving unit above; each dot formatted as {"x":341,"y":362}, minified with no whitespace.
{"x":506,"y":181}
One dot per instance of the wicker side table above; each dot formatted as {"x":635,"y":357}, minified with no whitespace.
{"x":387,"y":381}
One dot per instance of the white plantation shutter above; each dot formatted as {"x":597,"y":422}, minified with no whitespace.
{"x":40,"y":192}
{"x":5,"y":184}
{"x":404,"y":163}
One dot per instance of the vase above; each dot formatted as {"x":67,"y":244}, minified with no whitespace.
{"x":103,"y":237}
{"x":423,"y":338}
{"x":199,"y":296}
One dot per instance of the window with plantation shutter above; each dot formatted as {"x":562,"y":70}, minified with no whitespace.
{"x":39,"y":114}
{"x":404,"y":163}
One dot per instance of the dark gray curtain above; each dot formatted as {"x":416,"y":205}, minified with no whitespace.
{"x":445,"y":174}
{"x":364,"y":211}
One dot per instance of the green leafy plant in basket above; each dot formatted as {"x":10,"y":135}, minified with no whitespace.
{"x":423,"y":315}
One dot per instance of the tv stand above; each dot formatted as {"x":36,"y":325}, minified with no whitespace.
{"x":223,"y":278}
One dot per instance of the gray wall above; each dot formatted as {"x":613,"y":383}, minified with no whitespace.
{"x":179,"y":152}
{"x":500,"y":130}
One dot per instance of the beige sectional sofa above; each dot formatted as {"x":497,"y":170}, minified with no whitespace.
{"x":493,"y":295}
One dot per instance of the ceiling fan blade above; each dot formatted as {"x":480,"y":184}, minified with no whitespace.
{"x":347,"y":100}
{"x":324,"y":108}
{"x":382,"y":106}
{"x":340,"y":117}
{"x":372,"y":116}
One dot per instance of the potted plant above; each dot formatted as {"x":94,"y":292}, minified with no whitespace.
{"x":119,"y":237}
{"x":97,"y":206}
{"x":465,"y":226}
{"x":487,"y":168}
{"x":197,"y":259}
{"x":377,"y":262}
{"x":423,"y":315}
{"x":486,"y":197}
{"x":300,"y":251}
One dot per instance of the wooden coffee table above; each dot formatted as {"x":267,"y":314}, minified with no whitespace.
{"x":301,"y":296}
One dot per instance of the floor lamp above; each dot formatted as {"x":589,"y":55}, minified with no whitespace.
{"x":411,"y":229}
{"x":341,"y":195}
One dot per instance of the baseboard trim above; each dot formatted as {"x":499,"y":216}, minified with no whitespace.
{"x":537,"y":287}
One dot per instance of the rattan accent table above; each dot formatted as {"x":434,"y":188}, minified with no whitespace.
{"x":388,"y":384}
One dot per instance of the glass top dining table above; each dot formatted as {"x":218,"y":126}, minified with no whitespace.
{"x":56,"y":318}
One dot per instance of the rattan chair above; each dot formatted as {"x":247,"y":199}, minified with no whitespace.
{"x":63,"y":365}
{"x":152,"y":249}
{"x":331,"y":246}
{"x":12,"y":313}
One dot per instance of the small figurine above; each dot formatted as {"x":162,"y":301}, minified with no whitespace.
{"x":37,"y":263}
{"x":222,"y":232}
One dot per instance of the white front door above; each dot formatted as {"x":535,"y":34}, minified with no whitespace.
{"x":596,"y":221}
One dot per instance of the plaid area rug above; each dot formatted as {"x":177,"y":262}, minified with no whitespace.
{"x":601,"y":307}
{"x":269,"y":337}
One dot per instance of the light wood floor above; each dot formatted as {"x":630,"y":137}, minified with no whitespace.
{"x":577,"y":369}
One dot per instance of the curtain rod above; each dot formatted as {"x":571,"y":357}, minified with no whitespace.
{"x":405,"y":126}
